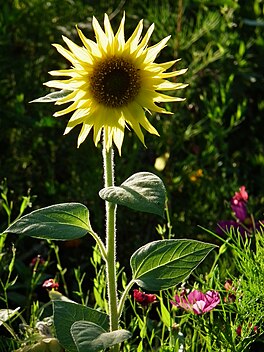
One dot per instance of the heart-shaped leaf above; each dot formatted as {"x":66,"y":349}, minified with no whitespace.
{"x":162,"y":264}
{"x":66,"y":314}
{"x":90,"y":337}
{"x":64,"y":221}
{"x":142,"y":191}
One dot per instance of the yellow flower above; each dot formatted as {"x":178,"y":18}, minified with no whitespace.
{"x":112,"y":82}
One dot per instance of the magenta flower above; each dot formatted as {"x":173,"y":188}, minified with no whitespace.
{"x":243,"y":222}
{"x":238,"y":204}
{"x":197,"y":301}
{"x":144,"y":298}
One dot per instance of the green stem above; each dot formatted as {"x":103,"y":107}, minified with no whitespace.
{"x":100,"y":244}
{"x":111,"y":243}
{"x":123,"y":297}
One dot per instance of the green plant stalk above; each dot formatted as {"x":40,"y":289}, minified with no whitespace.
{"x":123,"y":297}
{"x":111,"y":243}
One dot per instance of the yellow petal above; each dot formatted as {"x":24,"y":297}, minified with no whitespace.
{"x":108,"y":29}
{"x":139,"y":114}
{"x":132,"y":42}
{"x":89,"y":44}
{"x":70,"y":73}
{"x":66,"y":53}
{"x":86,"y":128}
{"x":173,"y":73}
{"x":145,"y":40}
{"x":120,"y":36}
{"x":167,"y":85}
{"x":70,"y":84}
{"x":118,"y":137}
{"x":153,"y":51}
{"x":133,"y":122}
{"x":101,"y":37}
{"x":80,"y":53}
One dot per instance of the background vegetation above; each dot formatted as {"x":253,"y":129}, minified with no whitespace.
{"x":208,"y":148}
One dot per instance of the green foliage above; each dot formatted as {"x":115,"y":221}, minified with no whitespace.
{"x":162,"y":264}
{"x":91,"y":337}
{"x":142,"y":191}
{"x":211,"y":145}
{"x":155,"y":266}
{"x":67,"y":313}
{"x":57,"y":222}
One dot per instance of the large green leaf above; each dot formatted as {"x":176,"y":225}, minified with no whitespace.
{"x":64,"y":221}
{"x":162,"y":264}
{"x":90,"y":337}
{"x":66,"y":314}
{"x":142,"y":191}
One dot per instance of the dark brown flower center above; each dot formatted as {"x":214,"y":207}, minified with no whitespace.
{"x":114,"y":82}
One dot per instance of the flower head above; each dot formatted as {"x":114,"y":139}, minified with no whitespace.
{"x":112,"y":82}
{"x":50,"y":284}
{"x":144,"y":298}
{"x":197,"y":301}
{"x":238,"y":204}
{"x":243,"y":222}
{"x":38,"y":260}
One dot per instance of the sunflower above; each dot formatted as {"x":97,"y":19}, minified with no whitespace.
{"x":113,"y":82}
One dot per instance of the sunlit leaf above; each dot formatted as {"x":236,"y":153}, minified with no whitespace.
{"x":64,"y":221}
{"x":162,"y":264}
{"x":142,"y":191}
{"x":91,"y":337}
{"x":66,"y":314}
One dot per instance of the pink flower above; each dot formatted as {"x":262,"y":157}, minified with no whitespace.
{"x":197,"y":301}
{"x":242,"y":195}
{"x":238,"y":204}
{"x":144,"y":298}
{"x":51,"y":284}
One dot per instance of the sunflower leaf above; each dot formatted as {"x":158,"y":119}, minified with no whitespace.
{"x":162,"y":264}
{"x":66,"y":221}
{"x":142,"y":191}
{"x":67,"y":313}
{"x":52,"y":97}
{"x":91,"y":337}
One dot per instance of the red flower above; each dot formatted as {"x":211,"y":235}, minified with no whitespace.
{"x":50,"y":284}
{"x":37,"y":260}
{"x":197,"y":302}
{"x":239,"y":329}
{"x":144,"y":298}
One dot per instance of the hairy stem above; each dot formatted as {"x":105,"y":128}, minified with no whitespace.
{"x":111,"y":243}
